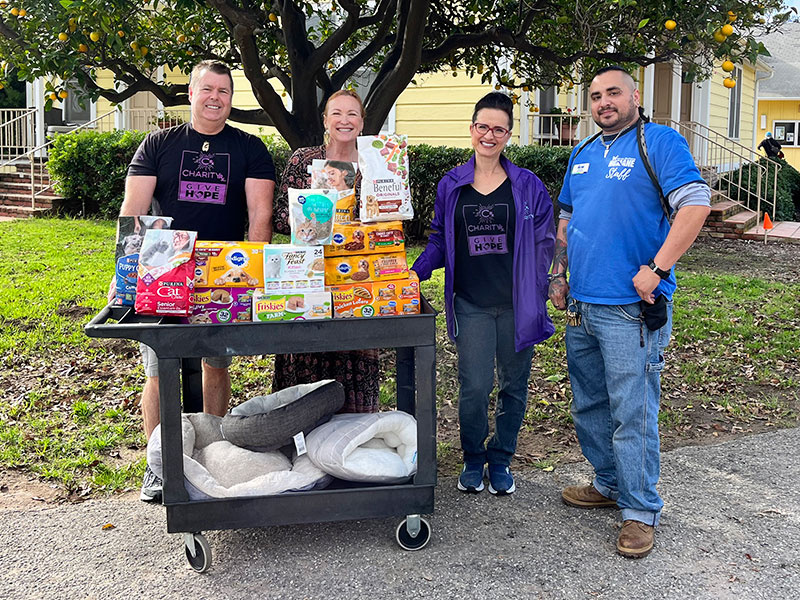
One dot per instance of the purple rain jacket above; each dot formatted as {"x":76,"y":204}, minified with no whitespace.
{"x":534,"y":242}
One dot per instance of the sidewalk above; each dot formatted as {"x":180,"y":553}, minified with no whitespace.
{"x":731,"y":529}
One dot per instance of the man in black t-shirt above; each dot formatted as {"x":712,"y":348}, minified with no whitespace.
{"x":211,"y":178}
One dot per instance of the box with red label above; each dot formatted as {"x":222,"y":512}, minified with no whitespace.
{"x":366,"y":238}
{"x":375,"y":299}
{"x":360,"y":268}
{"x":229,"y":264}
{"x":221,"y":305}
{"x":302,"y":306}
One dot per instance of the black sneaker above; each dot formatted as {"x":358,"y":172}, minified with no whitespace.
{"x":152,"y":487}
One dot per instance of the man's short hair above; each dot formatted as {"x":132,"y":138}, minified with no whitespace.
{"x":617,"y":68}
{"x":215,"y":66}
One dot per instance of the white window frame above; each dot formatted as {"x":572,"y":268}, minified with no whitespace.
{"x":735,"y":106}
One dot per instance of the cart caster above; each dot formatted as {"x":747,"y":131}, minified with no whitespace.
{"x":413,"y":533}
{"x":198,"y":551}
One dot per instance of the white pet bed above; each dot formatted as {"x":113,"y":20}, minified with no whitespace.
{"x":378,"y":447}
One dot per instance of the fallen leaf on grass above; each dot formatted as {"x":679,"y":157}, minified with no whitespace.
{"x":108,"y":526}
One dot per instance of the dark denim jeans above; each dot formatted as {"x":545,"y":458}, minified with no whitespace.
{"x":615,"y":366}
{"x":483,"y":335}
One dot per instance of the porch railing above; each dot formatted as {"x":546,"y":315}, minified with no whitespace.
{"x":737,"y":171}
{"x":17,"y":132}
{"x":558,"y":129}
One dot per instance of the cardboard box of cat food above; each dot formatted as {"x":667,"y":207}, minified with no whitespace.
{"x":359,"y":268}
{"x":221,"y":305}
{"x":375,"y":299}
{"x":229,"y":264}
{"x":366,"y":238}
{"x":289,"y":269}
{"x":268,"y":307}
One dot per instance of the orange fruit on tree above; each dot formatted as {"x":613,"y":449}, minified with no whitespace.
{"x":728,"y":66}
{"x":719,"y":36}
{"x":273,"y":17}
{"x":52,"y":96}
{"x":729,"y":82}
{"x":731,"y":16}
{"x":134,"y":46}
{"x":63,"y":36}
{"x":669,"y":25}
{"x":94,"y":36}
{"x":144,"y":50}
{"x":63,"y":94}
{"x":82,"y":48}
{"x":14,"y":11}
{"x":727,"y":29}
{"x":121,"y":33}
{"x":22,"y":12}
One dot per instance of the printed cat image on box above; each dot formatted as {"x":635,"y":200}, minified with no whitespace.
{"x":311,"y":216}
{"x":130,"y":235}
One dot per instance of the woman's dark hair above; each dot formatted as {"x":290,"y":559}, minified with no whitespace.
{"x":346,"y":167}
{"x":498,"y":101}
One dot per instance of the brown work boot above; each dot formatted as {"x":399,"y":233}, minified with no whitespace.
{"x":585,"y":496}
{"x":635,"y":540}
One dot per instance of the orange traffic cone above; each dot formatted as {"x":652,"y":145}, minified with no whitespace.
{"x":767,"y":222}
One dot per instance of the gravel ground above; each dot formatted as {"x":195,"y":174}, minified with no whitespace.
{"x":731,"y":529}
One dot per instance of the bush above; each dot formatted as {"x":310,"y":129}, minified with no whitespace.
{"x":89,"y":169}
{"x":787,"y":204}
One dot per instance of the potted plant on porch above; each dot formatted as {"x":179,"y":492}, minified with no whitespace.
{"x":566,"y":120}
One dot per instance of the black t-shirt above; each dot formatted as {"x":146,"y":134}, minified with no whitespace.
{"x":484,"y":228}
{"x":201,"y":177}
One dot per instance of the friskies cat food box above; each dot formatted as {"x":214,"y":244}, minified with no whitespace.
{"x":289,"y":268}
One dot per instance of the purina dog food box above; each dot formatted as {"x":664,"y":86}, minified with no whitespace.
{"x":375,"y":299}
{"x":221,"y":305}
{"x":269,"y":307}
{"x":289,"y":269}
{"x":229,"y":264}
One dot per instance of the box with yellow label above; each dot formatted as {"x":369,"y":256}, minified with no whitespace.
{"x":375,"y":299}
{"x":269,"y":307}
{"x":229,"y":264}
{"x":361,"y":268}
{"x":366,"y":238}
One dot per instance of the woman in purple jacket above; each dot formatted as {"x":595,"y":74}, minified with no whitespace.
{"x":493,"y":232}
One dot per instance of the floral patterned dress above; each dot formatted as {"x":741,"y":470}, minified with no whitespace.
{"x":357,"y":370}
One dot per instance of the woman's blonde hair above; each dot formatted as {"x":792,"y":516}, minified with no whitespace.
{"x":349,"y":93}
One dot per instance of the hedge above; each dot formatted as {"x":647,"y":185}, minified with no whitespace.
{"x":89,"y":168}
{"x":788,"y":193}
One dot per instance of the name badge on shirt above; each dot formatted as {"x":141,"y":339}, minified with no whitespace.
{"x":580,"y":169}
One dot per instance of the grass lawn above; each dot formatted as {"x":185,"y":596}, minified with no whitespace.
{"x":69,"y":404}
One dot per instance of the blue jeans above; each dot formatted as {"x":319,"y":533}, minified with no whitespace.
{"x":615,"y":366}
{"x":483,"y":335}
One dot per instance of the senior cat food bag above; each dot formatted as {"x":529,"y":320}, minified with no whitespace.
{"x":311,"y":216}
{"x":166,"y":273}
{"x":130,"y":234}
{"x":385,"y":195}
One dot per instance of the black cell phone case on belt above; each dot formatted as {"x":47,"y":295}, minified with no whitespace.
{"x":655,"y":315}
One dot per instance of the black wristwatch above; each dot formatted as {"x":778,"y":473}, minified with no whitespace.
{"x":660,"y":272}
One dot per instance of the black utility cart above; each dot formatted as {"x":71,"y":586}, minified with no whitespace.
{"x":179,"y":348}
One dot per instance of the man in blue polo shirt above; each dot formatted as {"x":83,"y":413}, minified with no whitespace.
{"x":615,"y":235}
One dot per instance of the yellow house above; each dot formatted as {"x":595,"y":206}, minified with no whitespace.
{"x":779,"y":95}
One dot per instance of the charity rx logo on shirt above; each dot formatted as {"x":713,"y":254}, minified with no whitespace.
{"x":486,"y":228}
{"x":204,"y":177}
{"x":620,"y":167}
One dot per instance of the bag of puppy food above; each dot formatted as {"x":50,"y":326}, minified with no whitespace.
{"x":166,"y":273}
{"x":385,"y":194}
{"x":130,"y":234}
{"x":311,"y":216}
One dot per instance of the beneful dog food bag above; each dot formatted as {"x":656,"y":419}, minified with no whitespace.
{"x":292,"y":307}
{"x":340,"y":176}
{"x":130,"y":234}
{"x":166,"y":273}
{"x":311,"y":216}
{"x":229,"y":264}
{"x":365,"y":267}
{"x":221,"y":305}
{"x":385,"y":194}
{"x":366,"y":238}
{"x":375,"y":299}
{"x":289,"y":268}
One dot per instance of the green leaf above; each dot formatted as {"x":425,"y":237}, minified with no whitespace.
{"x":643,"y":22}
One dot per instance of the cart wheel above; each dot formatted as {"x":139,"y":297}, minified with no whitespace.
{"x":201,"y":560}
{"x":409,"y":542}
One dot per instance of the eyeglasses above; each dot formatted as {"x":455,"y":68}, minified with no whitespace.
{"x":498,"y":131}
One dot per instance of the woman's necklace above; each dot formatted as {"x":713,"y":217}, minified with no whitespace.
{"x":609,"y":144}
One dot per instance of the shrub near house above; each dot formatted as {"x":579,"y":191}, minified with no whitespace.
{"x":90,"y":168}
